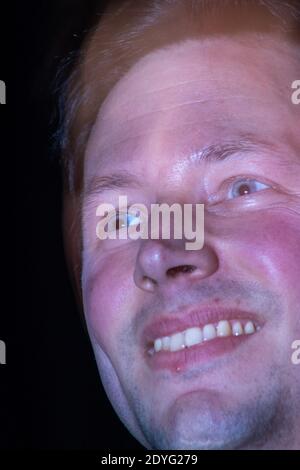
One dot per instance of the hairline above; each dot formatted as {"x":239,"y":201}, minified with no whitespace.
{"x":74,"y":91}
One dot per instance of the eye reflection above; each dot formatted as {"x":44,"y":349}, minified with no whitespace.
{"x":245,"y":187}
{"x":122,"y":220}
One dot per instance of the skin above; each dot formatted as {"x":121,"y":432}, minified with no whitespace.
{"x":153,"y":124}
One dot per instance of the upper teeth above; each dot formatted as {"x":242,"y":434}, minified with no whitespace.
{"x":197,"y":335}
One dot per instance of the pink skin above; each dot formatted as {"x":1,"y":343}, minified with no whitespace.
{"x":170,"y":104}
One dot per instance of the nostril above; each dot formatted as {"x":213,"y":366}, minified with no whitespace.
{"x":185,"y":268}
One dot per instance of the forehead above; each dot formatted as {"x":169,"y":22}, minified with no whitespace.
{"x":268,"y":57}
{"x":185,"y":94}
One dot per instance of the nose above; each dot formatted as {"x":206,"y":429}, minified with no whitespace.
{"x":159,"y":262}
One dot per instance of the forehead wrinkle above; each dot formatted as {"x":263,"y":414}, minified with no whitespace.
{"x":123,"y":123}
{"x":220,"y":151}
{"x":164,"y":122}
{"x":158,"y":56}
{"x":141,"y":95}
{"x":187,"y":103}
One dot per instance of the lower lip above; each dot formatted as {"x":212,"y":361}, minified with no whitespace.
{"x":199,"y":354}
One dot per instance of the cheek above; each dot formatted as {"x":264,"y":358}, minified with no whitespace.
{"x":266,"y":246}
{"x":110,"y":297}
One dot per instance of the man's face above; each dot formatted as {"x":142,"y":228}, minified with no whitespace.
{"x":205,"y":121}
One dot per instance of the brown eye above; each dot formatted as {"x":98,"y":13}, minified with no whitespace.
{"x":245,"y":187}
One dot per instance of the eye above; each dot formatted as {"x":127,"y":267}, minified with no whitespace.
{"x":245,"y":187}
{"x":122,"y":220}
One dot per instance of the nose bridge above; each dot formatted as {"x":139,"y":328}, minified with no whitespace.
{"x":182,"y":224}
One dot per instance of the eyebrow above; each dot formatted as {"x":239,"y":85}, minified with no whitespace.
{"x":119,"y":180}
{"x":218,"y":152}
{"x":226,"y":150}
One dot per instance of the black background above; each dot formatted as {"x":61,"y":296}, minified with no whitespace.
{"x":56,"y":400}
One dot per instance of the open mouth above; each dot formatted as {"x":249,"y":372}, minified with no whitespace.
{"x":197,"y":336}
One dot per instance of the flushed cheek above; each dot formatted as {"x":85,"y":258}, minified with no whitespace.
{"x":266,"y":246}
{"x":110,"y":299}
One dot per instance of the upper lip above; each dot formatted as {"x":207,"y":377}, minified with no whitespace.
{"x":168,"y":324}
